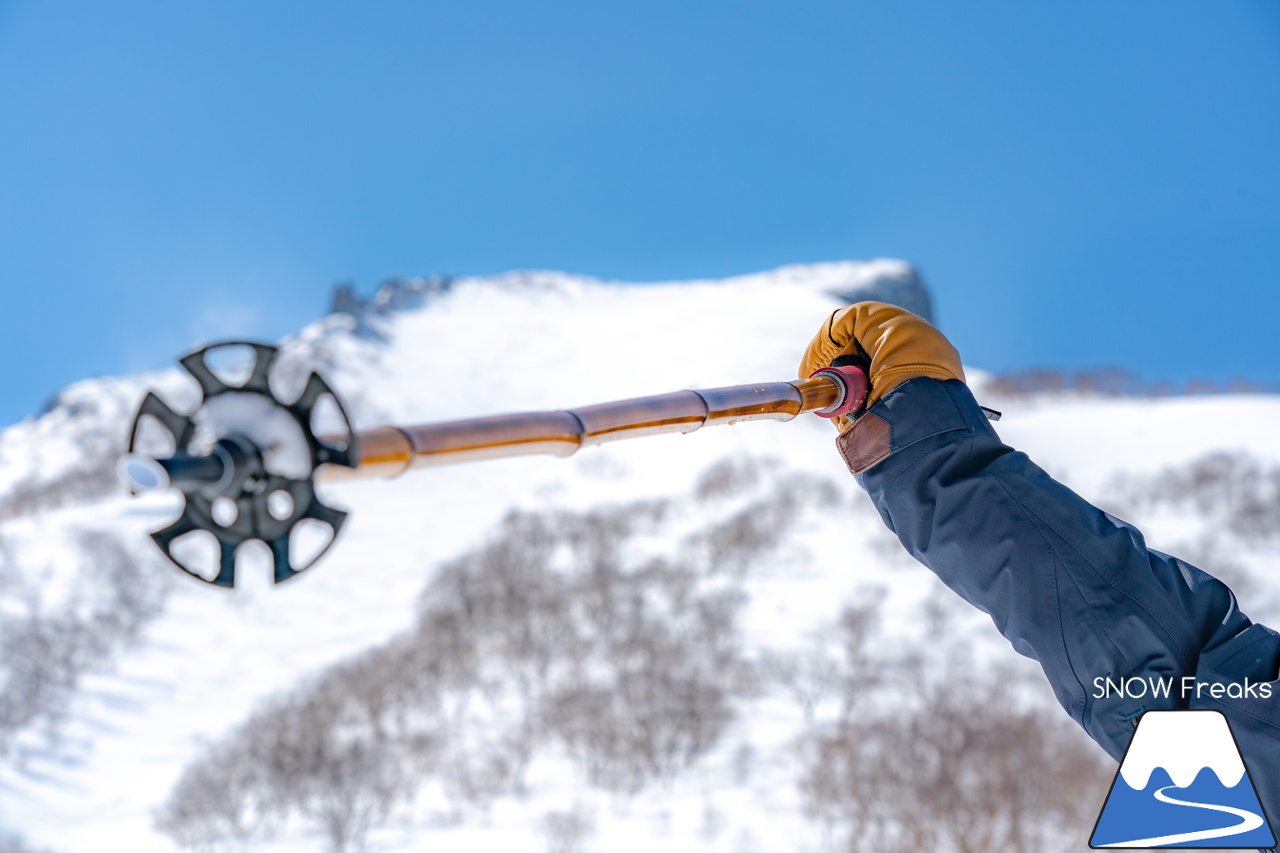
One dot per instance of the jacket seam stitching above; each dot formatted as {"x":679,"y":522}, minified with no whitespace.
{"x":1184,"y":658}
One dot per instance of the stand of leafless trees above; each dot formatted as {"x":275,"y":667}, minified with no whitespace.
{"x":559,"y":635}
{"x":947,"y":753}
{"x":591,"y":638}
{"x":49,"y":647}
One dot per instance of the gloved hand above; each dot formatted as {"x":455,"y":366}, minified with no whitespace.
{"x":891,"y":344}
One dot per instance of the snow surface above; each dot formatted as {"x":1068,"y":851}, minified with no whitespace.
{"x":519,"y":341}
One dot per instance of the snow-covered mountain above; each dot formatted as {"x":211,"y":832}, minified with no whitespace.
{"x":760,"y":584}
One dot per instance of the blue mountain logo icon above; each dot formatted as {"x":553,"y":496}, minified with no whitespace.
{"x":1183,"y":783}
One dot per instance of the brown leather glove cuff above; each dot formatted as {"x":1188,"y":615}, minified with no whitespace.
{"x":916,"y":411}
{"x":865,"y":444}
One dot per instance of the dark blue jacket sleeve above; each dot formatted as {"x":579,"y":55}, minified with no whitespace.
{"x":1067,"y":584}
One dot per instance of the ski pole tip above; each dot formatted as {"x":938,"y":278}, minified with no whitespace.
{"x":142,"y":473}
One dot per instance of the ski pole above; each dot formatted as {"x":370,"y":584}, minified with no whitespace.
{"x":246,"y":462}
{"x":389,"y":451}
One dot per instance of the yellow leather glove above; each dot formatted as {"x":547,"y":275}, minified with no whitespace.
{"x":891,"y":344}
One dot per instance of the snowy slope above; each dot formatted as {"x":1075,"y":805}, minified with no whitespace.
{"x":514,"y":342}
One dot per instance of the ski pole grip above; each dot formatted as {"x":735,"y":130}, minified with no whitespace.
{"x":853,"y":385}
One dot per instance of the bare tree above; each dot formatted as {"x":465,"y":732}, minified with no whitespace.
{"x":951,"y":757}
{"x":568,"y":831}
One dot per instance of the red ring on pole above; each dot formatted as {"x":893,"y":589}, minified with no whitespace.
{"x":853,"y":385}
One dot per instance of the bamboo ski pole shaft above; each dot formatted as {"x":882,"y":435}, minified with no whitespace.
{"x":389,"y":451}
{"x":246,"y":461}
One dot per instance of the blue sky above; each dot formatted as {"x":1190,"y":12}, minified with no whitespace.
{"x":1082,"y":184}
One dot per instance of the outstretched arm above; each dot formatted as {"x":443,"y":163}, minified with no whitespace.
{"x":1065,"y":583}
